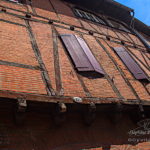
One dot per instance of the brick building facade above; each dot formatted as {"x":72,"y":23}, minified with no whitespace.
{"x":73,"y":76}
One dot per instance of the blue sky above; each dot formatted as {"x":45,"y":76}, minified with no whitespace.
{"x":141,"y":8}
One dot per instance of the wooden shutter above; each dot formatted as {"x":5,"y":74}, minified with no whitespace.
{"x":90,"y":56}
{"x":80,"y":53}
{"x":131,"y":64}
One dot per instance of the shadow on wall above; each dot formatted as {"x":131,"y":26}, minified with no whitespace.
{"x":40,"y":133}
{"x":110,"y":9}
{"x":58,"y":6}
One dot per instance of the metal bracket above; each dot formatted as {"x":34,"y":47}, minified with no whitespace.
{"x":91,"y":32}
{"x":50,"y":21}
{"x":3,"y":9}
{"x":28,"y":16}
{"x":72,"y":28}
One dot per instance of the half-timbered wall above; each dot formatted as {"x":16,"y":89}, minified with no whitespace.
{"x":33,"y":57}
{"x":34,"y":62}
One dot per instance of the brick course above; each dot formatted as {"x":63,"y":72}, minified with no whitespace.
{"x":45,"y":44}
{"x":13,"y":5}
{"x":21,"y":80}
{"x":17,"y":46}
{"x":20,"y":49}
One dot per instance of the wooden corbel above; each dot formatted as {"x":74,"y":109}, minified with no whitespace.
{"x":90,"y":114}
{"x":59,"y":113}
{"x":19,"y":111}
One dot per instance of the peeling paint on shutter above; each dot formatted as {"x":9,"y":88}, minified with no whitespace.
{"x":80,"y":53}
{"x":131,"y":64}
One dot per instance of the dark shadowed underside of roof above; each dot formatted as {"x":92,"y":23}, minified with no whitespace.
{"x":113,"y":9}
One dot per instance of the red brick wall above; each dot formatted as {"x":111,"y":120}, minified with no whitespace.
{"x":45,"y":9}
{"x":21,"y":80}
{"x":21,"y":71}
{"x":16,"y":47}
{"x":141,"y":146}
{"x":13,"y":5}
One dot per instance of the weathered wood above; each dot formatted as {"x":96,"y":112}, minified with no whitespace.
{"x":56,"y":62}
{"x":63,"y":23}
{"x":12,"y":22}
{"x":19,"y":65}
{"x":36,"y":50}
{"x":65,"y":99}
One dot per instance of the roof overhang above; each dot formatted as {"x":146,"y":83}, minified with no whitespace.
{"x":113,"y":9}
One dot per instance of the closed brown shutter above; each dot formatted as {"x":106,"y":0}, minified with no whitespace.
{"x":90,"y":56}
{"x":80,"y":53}
{"x":131,"y":64}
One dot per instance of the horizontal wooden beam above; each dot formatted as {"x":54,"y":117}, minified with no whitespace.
{"x":67,"y":26}
{"x":2,"y":62}
{"x":69,"y":100}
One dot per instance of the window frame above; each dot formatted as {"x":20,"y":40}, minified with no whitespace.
{"x":105,"y":21}
{"x":14,"y":1}
{"x":123,"y":28}
{"x":94,"y":17}
{"x":17,"y":2}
